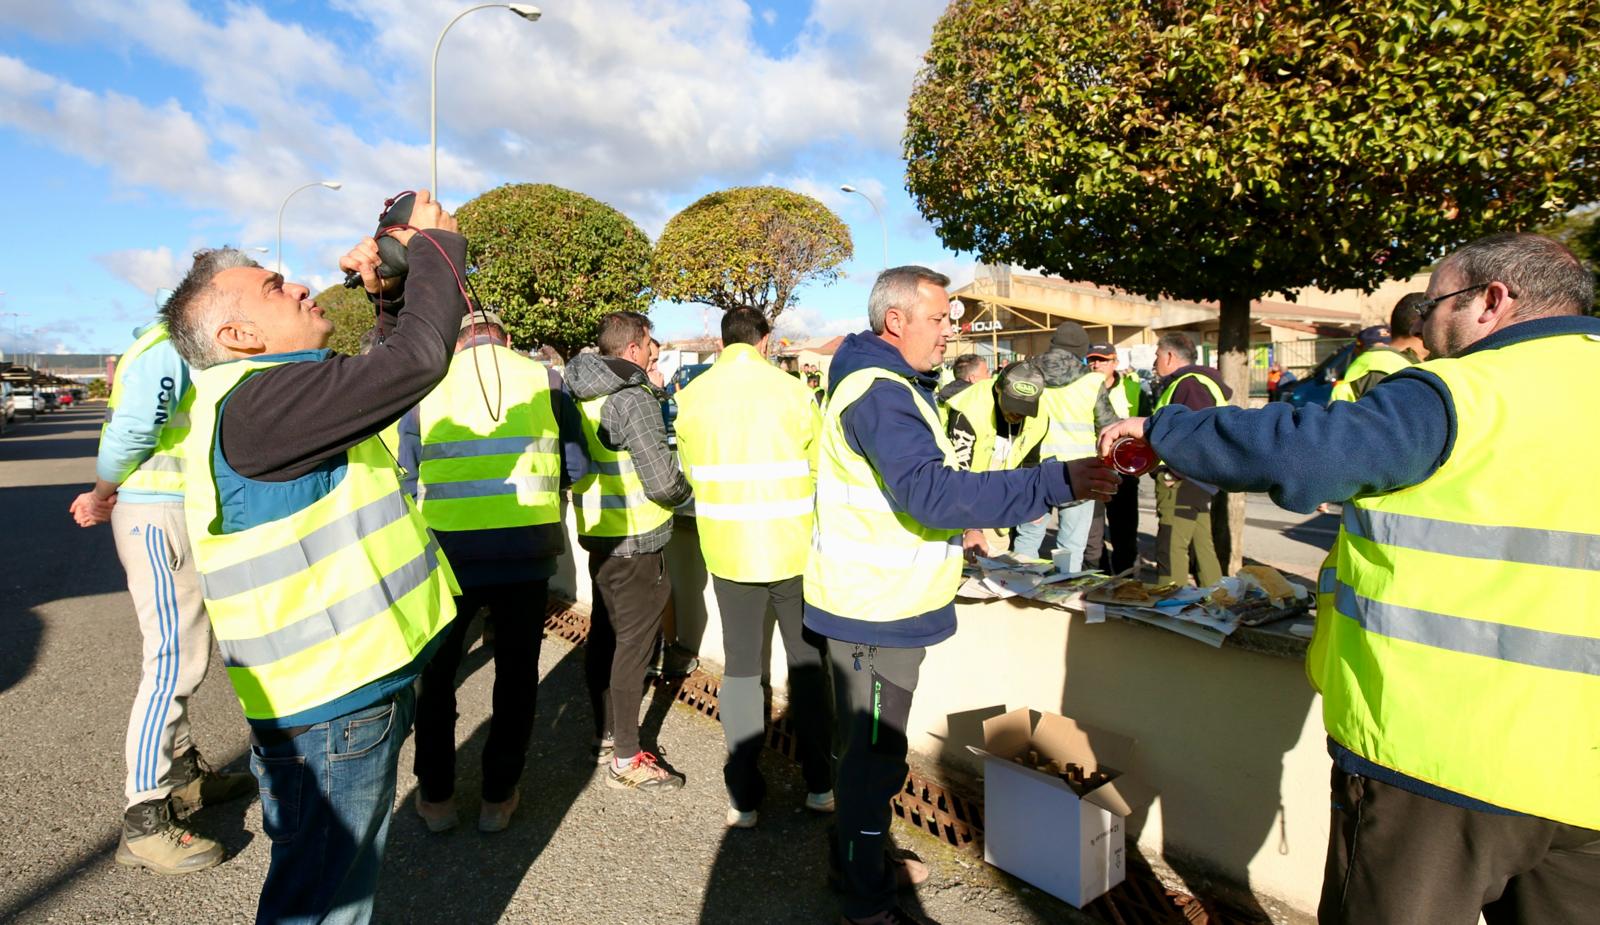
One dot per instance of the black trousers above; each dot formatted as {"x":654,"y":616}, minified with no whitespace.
{"x":518,"y":614}
{"x":742,"y":703}
{"x":1122,"y":526}
{"x":1397,"y":857}
{"x":872,"y":690}
{"x":630,"y":593}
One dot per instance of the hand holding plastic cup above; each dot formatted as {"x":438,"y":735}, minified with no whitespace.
{"x":1131,"y":456}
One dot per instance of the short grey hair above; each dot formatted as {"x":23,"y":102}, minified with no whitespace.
{"x":1543,"y":275}
{"x":1180,"y":344}
{"x":197,"y":307}
{"x":897,"y":288}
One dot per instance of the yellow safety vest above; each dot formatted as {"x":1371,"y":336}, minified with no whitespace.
{"x":1212,"y":387}
{"x":977,"y":405}
{"x":334,"y":596}
{"x":1125,"y":395}
{"x":163,"y":471}
{"x":610,"y":500}
{"x":747,"y":437}
{"x":476,"y":473}
{"x":870,"y":561}
{"x":1373,"y":359}
{"x":1458,"y":626}
{"x":1069,"y":409}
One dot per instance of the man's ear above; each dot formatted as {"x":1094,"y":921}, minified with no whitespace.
{"x":241,"y":337}
{"x":1498,"y":304}
{"x":893,"y":322}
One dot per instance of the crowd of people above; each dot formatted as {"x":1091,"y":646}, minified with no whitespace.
{"x":337,"y":550}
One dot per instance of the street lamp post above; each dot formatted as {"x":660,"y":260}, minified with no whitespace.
{"x":329,"y":184}
{"x":526,"y":11}
{"x":845,"y":187}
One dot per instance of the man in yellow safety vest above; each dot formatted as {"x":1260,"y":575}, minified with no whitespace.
{"x":1457,"y":647}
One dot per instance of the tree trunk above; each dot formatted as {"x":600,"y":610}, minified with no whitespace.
{"x":1233,"y":361}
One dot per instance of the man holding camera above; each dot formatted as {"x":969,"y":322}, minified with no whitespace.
{"x":326,"y":592}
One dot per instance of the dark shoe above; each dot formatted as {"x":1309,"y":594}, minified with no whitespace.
{"x":643,"y":773}
{"x":673,"y":661}
{"x":494,"y":817}
{"x":909,"y":871}
{"x":891,"y":916}
{"x":153,"y":839}
{"x":201,"y":786}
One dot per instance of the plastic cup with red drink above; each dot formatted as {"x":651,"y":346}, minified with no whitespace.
{"x":1131,"y":456}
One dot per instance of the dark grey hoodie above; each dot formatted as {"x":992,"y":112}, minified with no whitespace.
{"x":630,"y":421}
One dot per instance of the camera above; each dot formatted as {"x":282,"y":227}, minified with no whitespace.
{"x":396,"y":213}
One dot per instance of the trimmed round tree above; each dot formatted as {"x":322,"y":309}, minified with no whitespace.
{"x":1223,"y":151}
{"x":750,"y":246}
{"x":553,"y":261}
{"x":352,"y":316}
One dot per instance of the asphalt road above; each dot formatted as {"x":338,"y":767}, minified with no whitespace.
{"x":577,"y":852}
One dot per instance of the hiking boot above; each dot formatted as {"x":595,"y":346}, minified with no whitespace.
{"x":152,"y":838}
{"x":673,"y":661}
{"x":821,"y":802}
{"x":643,"y":772}
{"x":604,"y":748}
{"x":891,"y":916}
{"x":440,"y":816}
{"x":494,"y":817}
{"x":202,"y":786}
{"x":739,"y":820}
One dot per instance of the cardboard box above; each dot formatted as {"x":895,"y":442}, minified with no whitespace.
{"x":1036,"y":826}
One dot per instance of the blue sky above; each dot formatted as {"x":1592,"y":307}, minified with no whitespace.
{"x":134,"y":131}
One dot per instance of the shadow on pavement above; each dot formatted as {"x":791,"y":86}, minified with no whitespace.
{"x":62,"y":435}
{"x":465,"y":876}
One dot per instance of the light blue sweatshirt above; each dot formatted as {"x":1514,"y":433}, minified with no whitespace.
{"x":152,"y":385}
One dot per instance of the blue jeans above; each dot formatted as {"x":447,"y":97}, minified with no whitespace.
{"x":1072,"y":535}
{"x":326,"y":797}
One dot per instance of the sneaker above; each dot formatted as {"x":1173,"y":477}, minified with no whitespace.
{"x":203,"y":786}
{"x":604,"y":748}
{"x":821,"y":802}
{"x":494,"y":817}
{"x":891,"y":916}
{"x":441,"y":816}
{"x":738,"y":820}
{"x":643,"y":772}
{"x":152,"y":838}
{"x":673,"y":661}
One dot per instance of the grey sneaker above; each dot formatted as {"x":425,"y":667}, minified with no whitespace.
{"x":604,"y":747}
{"x":153,"y":839}
{"x":440,"y":816}
{"x":643,"y":773}
{"x":202,"y":786}
{"x":821,"y":802}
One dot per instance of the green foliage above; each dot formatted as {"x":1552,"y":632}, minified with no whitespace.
{"x":552,"y":262}
{"x":1235,"y":148}
{"x":352,"y":316}
{"x":1580,"y":231}
{"x":750,"y":246}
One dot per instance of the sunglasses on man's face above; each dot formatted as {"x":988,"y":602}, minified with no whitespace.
{"x":1426,"y":307}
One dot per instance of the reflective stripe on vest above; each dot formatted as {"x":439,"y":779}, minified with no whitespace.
{"x":331,"y":597}
{"x":476,"y":472}
{"x":747,"y":433}
{"x":1166,"y":394}
{"x":1376,"y":359}
{"x":870,"y":560}
{"x":1070,"y":411}
{"x":1456,"y":637}
{"x":610,"y":501}
{"x":162,"y":472}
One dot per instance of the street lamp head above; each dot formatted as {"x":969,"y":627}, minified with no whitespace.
{"x":526,"y":10}
{"x":333,"y":184}
{"x":845,"y":187}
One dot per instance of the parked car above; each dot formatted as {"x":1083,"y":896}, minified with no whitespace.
{"x":681,"y":377}
{"x":1317,"y":387}
{"x":65,"y":398}
{"x":49,"y":401}
{"x":8,"y":406}
{"x":28,"y":401}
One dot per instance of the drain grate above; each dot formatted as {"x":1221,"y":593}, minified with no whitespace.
{"x":926,"y":804}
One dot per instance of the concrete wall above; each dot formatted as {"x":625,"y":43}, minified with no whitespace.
{"x":1231,"y":741}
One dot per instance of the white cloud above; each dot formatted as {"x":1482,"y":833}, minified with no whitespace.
{"x":769,"y":16}
{"x":144,"y":270}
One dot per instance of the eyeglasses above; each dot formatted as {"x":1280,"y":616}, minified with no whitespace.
{"x":1426,"y":307}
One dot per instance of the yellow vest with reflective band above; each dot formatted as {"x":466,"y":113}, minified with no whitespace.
{"x":476,"y":473}
{"x":610,"y":500}
{"x":747,"y":438}
{"x":312,"y":606}
{"x":1375,"y":359}
{"x":163,"y":470}
{"x":1212,"y":387}
{"x":1458,"y":626}
{"x":869,"y":560}
{"x":1125,"y":395}
{"x":390,"y":438}
{"x":977,"y":405}
{"x":1069,"y":410}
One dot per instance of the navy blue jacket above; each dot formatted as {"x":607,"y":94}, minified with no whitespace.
{"x":1395,"y":436}
{"x":885,"y":427}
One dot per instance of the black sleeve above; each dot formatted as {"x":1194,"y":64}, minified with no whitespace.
{"x":284,"y":422}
